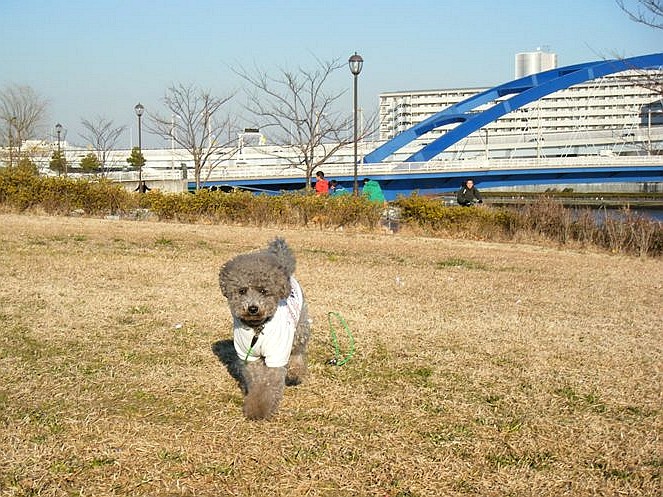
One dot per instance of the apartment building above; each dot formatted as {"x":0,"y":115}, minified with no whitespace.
{"x":620,"y":113}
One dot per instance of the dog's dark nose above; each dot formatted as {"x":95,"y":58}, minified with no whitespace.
{"x":253,"y":309}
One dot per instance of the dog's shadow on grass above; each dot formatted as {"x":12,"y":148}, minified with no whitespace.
{"x":225,"y":351}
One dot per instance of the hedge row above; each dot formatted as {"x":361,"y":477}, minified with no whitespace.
{"x":546,"y":219}
{"x":21,"y":189}
{"x":292,"y":209}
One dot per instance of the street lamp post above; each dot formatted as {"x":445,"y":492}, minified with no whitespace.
{"x":58,"y":131}
{"x":355,"y":62}
{"x":139,"y":112}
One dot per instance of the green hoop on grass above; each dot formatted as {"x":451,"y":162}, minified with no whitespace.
{"x":338,"y":359}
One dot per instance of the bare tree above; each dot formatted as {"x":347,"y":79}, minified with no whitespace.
{"x":22,"y":110}
{"x":648,"y":12}
{"x":298,"y":112}
{"x":102,"y":135}
{"x":196,"y":123}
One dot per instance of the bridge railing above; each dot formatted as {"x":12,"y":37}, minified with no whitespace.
{"x":335,"y":170}
{"x":247,"y":171}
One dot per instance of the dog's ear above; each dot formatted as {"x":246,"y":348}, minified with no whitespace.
{"x":285,"y":287}
{"x":224,"y":282}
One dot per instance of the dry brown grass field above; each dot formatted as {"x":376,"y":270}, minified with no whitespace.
{"x":480,"y":368}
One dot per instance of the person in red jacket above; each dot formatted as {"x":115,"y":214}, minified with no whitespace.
{"x":321,"y":184}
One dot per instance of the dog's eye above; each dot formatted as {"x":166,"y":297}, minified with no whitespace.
{"x":242,"y":291}
{"x":263,"y":291}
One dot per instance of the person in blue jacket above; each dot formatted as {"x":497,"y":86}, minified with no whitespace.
{"x":336,"y":189}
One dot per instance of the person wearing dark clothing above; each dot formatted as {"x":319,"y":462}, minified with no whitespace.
{"x":468,"y":194}
{"x":142,"y":187}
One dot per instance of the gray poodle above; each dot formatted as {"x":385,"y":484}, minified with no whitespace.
{"x":271,"y":324}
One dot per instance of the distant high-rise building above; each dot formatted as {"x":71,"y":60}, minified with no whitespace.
{"x":533,"y":62}
{"x":613,"y":114}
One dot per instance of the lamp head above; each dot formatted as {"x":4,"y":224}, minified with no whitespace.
{"x":355,"y":62}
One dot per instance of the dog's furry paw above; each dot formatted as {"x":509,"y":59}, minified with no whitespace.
{"x":297,"y":370}
{"x":257,"y":407}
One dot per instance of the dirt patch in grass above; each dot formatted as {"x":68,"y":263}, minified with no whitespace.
{"x":480,"y":369}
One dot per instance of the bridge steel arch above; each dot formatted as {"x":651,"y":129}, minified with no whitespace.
{"x":525,"y":90}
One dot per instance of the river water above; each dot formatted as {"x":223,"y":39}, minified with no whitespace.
{"x":655,"y":214}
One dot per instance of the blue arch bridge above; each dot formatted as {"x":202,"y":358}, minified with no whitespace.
{"x":421,"y":172}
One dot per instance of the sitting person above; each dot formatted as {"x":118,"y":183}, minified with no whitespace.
{"x":468,"y":194}
{"x":373,"y":191}
{"x":336,"y":189}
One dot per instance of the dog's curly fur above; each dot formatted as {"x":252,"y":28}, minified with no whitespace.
{"x":254,"y":283}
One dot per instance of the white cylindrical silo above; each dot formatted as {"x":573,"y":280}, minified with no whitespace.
{"x":533,"y":62}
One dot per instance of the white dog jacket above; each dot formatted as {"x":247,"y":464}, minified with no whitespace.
{"x":275,"y":341}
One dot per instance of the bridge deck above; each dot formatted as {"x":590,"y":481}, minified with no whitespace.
{"x":435,"y":178}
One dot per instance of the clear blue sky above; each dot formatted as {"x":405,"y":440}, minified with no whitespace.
{"x":93,"y":58}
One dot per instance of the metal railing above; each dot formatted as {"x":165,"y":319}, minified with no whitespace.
{"x":247,"y":171}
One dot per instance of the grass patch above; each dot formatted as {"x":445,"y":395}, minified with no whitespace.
{"x":577,"y":400}
{"x":534,"y":461}
{"x":534,"y":379}
{"x":450,"y":435}
{"x":162,"y":241}
{"x":458,"y":262}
